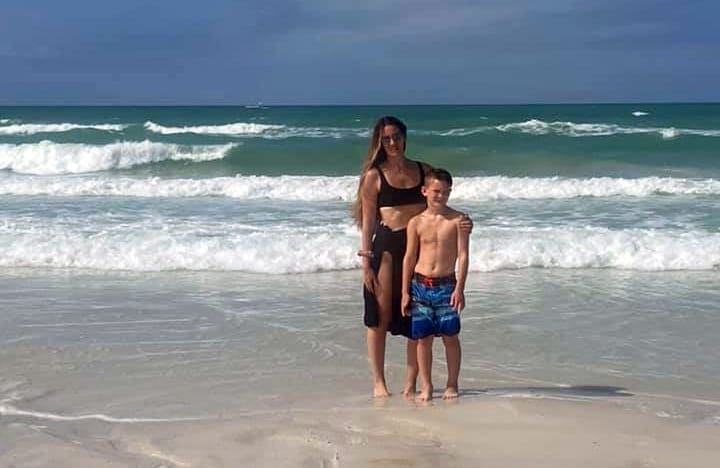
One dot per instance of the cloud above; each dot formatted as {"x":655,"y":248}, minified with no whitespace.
{"x":346,"y":51}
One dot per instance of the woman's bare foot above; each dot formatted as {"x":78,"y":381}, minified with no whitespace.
{"x":451,"y":393}
{"x":409,"y":391}
{"x":380,"y":391}
{"x":425,"y":394}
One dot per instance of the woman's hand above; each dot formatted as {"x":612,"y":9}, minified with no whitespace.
{"x":466,"y":224}
{"x":369,"y":278}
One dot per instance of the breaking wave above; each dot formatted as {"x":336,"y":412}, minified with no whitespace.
{"x":48,"y":158}
{"x":319,"y":188}
{"x":572,"y":129}
{"x":32,"y":129}
{"x":249,"y":129}
{"x":160,"y":245}
{"x":539,"y":127}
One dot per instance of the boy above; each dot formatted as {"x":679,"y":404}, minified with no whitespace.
{"x":432,"y":293}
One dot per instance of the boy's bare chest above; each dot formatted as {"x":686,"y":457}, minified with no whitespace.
{"x":437,"y":234}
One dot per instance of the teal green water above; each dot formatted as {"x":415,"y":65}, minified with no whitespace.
{"x":679,"y":140}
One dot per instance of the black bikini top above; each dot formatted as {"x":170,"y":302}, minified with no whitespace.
{"x":392,"y":196}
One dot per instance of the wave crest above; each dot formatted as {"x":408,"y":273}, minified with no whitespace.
{"x":325,"y":188}
{"x":240,"y":128}
{"x":159,"y":245}
{"x":250,"y":129}
{"x":32,"y":129}
{"x":572,"y":129}
{"x":47,"y":158}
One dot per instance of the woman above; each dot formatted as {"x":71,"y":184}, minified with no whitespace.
{"x":388,"y":196}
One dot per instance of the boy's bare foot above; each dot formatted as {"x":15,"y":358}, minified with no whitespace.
{"x":380,"y":391}
{"x":425,"y":394}
{"x":451,"y":393}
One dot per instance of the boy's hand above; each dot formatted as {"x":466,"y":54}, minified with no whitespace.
{"x":457,"y":300}
{"x":405,"y":307}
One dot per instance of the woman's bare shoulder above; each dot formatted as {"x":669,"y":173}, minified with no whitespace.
{"x":371,"y":181}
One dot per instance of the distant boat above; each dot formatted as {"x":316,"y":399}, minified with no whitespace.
{"x":259,"y":105}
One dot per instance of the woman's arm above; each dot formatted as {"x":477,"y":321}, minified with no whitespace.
{"x":409,"y":262}
{"x":369,"y":193}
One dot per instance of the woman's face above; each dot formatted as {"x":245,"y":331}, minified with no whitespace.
{"x":392,"y":140}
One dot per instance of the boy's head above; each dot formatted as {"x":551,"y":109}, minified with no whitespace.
{"x":437,"y":186}
{"x":438,"y":174}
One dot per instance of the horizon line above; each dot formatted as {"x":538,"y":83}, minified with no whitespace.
{"x":263,"y":105}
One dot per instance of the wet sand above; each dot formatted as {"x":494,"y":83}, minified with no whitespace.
{"x":476,"y":431}
{"x":218,"y":370}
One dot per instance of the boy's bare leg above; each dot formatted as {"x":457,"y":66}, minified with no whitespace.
{"x":411,"y":368}
{"x":424,"y":355}
{"x":453,"y":355}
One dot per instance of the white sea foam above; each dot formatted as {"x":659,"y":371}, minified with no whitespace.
{"x":325,"y":188}
{"x":540,"y":127}
{"x":669,"y":133}
{"x":8,"y":410}
{"x":303,"y":188}
{"x":500,"y":187}
{"x":31,"y":129}
{"x":250,"y":129}
{"x":567,"y":247}
{"x":640,"y":113}
{"x":156,"y":245}
{"x":47,"y":157}
{"x":464,"y":131}
{"x":240,"y":128}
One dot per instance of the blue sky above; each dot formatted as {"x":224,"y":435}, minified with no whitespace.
{"x":358,"y":52}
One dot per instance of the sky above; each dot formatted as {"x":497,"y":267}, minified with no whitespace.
{"x":222,"y":52}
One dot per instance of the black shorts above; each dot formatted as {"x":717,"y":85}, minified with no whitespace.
{"x":395,"y":243}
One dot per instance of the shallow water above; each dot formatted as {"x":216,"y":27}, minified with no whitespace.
{"x":187,"y":345}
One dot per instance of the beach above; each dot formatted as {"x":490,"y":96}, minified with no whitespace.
{"x":178,"y":369}
{"x":471,"y":433}
{"x":179,"y":287}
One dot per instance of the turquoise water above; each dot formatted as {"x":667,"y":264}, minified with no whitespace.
{"x":536,"y":140}
{"x":633,"y":186}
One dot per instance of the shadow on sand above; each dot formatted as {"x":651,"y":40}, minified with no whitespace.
{"x":578,"y":391}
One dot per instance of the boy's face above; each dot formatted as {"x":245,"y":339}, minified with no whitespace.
{"x":436,"y":192}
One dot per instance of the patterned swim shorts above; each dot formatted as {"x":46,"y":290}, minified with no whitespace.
{"x":430,"y":307}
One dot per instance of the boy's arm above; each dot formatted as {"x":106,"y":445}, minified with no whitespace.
{"x":463,"y":249}
{"x":409,"y":262}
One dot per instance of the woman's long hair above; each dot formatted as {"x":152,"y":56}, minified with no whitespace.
{"x":375,"y":156}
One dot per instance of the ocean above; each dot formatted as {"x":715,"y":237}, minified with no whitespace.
{"x":174,"y":252}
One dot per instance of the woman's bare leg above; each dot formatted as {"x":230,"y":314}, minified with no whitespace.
{"x":376,"y":336}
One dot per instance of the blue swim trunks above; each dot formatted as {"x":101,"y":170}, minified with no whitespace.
{"x":430,"y":307}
